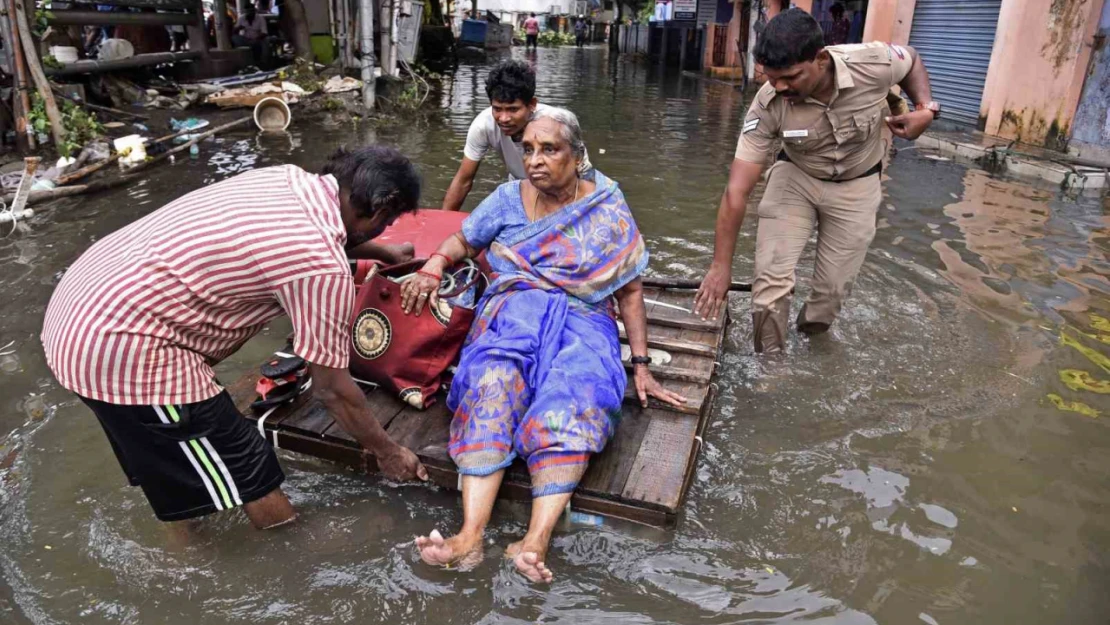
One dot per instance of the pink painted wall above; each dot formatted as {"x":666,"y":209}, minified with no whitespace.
{"x":889,"y":20}
{"x":1037,"y":68}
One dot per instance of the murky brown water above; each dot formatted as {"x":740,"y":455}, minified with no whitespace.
{"x":914,"y":467}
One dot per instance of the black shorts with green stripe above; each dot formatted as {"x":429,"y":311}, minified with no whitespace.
{"x":192,"y":459}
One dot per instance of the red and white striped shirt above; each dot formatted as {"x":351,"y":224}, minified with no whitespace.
{"x":144,"y":313}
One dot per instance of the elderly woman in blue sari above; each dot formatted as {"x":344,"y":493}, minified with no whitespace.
{"x":540,"y":375}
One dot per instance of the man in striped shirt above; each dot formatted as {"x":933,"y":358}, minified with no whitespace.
{"x":136,"y":324}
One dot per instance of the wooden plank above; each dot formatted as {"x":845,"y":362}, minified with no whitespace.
{"x":417,"y":429}
{"x":442,"y":472}
{"x":609,"y":470}
{"x":679,"y":374}
{"x":313,"y":418}
{"x":677,"y":319}
{"x":659,"y":471}
{"x":694,"y":394}
{"x":675,"y":346}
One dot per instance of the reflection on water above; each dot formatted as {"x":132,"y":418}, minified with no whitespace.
{"x":940,"y":458}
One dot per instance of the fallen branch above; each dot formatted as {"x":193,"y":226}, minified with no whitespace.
{"x":46,"y":195}
{"x":96,"y":107}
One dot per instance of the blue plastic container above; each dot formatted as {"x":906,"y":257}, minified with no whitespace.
{"x":473,"y":33}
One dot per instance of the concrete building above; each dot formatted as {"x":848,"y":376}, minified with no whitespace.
{"x":1035,"y":71}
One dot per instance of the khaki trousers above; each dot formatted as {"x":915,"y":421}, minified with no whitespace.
{"x":845,"y":214}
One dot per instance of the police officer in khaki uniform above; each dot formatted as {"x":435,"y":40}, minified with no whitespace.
{"x":827,"y":107}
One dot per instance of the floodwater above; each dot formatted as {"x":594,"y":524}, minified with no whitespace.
{"x":942,"y":457}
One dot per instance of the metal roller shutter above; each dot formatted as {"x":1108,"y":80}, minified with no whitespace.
{"x":955,"y":38}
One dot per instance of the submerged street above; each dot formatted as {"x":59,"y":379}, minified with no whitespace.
{"x":939,"y":458}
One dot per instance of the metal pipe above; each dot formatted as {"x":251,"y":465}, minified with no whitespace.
{"x":139,"y":60}
{"x":366,"y":47}
{"x":77,"y":17}
{"x":394,"y":20}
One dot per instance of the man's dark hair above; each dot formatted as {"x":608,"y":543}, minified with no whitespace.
{"x":791,"y":37}
{"x":532,"y":14}
{"x":511,"y":80}
{"x":379,"y":177}
{"x":836,"y":9}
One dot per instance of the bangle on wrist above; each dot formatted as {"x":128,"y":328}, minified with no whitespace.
{"x":640,"y":360}
{"x":444,"y":257}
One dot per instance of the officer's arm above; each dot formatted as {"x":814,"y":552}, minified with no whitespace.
{"x":713,"y":292}
{"x":916,"y":82}
{"x":460,"y":185}
{"x":742,"y":178}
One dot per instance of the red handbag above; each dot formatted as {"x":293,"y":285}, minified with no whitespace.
{"x":405,"y":353}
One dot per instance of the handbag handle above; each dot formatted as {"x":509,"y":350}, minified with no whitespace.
{"x":475,"y":272}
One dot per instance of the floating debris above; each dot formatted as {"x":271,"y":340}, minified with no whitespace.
{"x":1073,"y":406}
{"x":1079,"y":380}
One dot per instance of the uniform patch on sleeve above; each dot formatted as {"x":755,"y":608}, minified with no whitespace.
{"x":896,"y":49}
{"x":750,"y":125}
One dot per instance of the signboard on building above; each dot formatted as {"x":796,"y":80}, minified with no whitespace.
{"x":685,"y":10}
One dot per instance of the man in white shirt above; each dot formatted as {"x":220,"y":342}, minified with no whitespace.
{"x":511,"y":87}
{"x":251,"y":26}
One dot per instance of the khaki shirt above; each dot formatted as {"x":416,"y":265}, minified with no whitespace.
{"x":839,"y":141}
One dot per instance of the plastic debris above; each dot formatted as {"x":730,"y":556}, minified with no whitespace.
{"x":98,"y":151}
{"x":131,"y":148}
{"x":191,"y":123}
{"x":339,"y":84}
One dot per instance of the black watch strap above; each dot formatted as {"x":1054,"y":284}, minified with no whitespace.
{"x":640,"y":360}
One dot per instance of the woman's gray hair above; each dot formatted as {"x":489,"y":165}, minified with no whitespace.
{"x":571,"y":131}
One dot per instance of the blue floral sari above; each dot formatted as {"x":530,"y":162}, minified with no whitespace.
{"x":540,"y":375}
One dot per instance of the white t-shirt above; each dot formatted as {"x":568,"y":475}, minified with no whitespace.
{"x":484,"y":135}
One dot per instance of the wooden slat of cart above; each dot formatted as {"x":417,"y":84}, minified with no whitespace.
{"x":642,"y":475}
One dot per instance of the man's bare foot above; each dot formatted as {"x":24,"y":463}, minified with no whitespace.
{"x":528,"y":559}
{"x":461,"y":551}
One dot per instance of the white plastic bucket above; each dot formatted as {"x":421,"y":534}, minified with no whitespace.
{"x":64,"y":54}
{"x":272,"y":114}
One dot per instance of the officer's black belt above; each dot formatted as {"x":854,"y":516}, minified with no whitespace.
{"x":876,"y":169}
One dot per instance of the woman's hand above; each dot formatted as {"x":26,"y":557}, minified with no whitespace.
{"x":421,"y":289}
{"x":646,"y":386}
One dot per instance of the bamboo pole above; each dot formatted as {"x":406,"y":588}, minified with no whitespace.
{"x":190,"y":143}
{"x":35,"y":67}
{"x":24,"y":107}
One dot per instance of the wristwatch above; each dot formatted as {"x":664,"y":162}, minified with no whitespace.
{"x":933,"y":106}
{"x":640,"y":360}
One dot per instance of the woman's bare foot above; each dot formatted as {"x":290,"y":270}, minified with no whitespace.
{"x":462,"y":551}
{"x":528,"y":555}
